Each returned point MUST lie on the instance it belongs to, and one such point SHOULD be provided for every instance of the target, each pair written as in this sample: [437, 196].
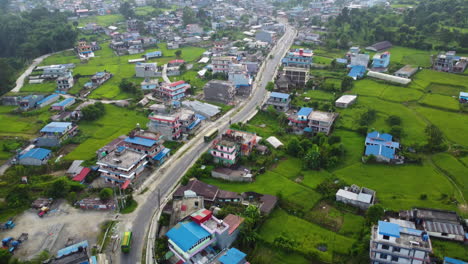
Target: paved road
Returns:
[167, 177]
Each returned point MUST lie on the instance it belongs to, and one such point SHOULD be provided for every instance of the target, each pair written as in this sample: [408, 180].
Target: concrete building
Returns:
[463, 97]
[147, 70]
[122, 165]
[298, 58]
[54, 133]
[381, 61]
[219, 91]
[406, 72]
[359, 60]
[30, 101]
[222, 64]
[54, 71]
[321, 122]
[266, 36]
[280, 101]
[231, 145]
[362, 198]
[149, 85]
[381, 146]
[147, 143]
[345, 101]
[64, 83]
[173, 91]
[35, 157]
[99, 78]
[450, 62]
[166, 125]
[297, 77]
[392, 243]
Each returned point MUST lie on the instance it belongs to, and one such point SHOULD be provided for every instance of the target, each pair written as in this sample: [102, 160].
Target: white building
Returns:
[359, 197]
[345, 101]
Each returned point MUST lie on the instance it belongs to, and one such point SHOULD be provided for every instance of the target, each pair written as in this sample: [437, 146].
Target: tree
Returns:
[5, 256]
[188, 16]
[126, 10]
[59, 189]
[178, 53]
[294, 148]
[347, 84]
[19, 196]
[374, 214]
[93, 112]
[435, 136]
[312, 158]
[270, 86]
[396, 131]
[127, 86]
[105, 194]
[394, 120]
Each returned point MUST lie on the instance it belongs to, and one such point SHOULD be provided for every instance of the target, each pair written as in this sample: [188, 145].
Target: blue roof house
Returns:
[357, 72]
[35, 157]
[381, 146]
[186, 239]
[233, 256]
[463, 98]
[280, 101]
[55, 132]
[48, 100]
[62, 105]
[299, 121]
[448, 260]
[381, 60]
[154, 54]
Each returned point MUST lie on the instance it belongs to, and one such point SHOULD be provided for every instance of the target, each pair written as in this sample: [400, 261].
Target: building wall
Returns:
[226, 177]
[225, 240]
[48, 141]
[32, 162]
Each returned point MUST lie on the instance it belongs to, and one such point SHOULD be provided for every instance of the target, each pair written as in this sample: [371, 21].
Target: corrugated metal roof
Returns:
[72, 248]
[161, 154]
[232, 256]
[279, 95]
[305, 111]
[444, 228]
[448, 260]
[56, 127]
[389, 229]
[65, 102]
[141, 141]
[36, 153]
[187, 234]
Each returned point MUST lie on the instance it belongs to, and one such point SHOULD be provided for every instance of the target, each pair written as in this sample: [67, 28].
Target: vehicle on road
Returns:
[43, 211]
[8, 225]
[211, 135]
[126, 242]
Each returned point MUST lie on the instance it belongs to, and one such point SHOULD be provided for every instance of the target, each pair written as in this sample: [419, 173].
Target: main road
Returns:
[162, 182]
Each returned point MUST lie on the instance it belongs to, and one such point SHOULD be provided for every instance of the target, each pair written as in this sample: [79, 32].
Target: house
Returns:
[279, 101]
[207, 191]
[35, 157]
[194, 240]
[65, 82]
[194, 29]
[149, 85]
[60, 106]
[345, 101]
[266, 36]
[297, 77]
[321, 122]
[189, 121]
[437, 223]
[166, 124]
[380, 61]
[147, 143]
[75, 168]
[380, 46]
[54, 133]
[406, 72]
[80, 177]
[74, 254]
[359, 60]
[448, 260]
[172, 91]
[298, 58]
[231, 145]
[152, 55]
[357, 72]
[132, 25]
[234, 256]
[265, 202]
[99, 78]
[463, 98]
[240, 78]
[239, 174]
[147, 70]
[30, 101]
[362, 198]
[282, 83]
[135, 47]
[10, 100]
[204, 109]
[122, 166]
[222, 64]
[381, 146]
[299, 121]
[274, 142]
[84, 50]
[392, 243]
[450, 62]
[54, 71]
[172, 45]
[48, 100]
[219, 91]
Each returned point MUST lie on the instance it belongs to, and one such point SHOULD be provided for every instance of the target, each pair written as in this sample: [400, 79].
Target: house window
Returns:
[444, 234]
[394, 259]
[386, 247]
[383, 256]
[396, 249]
[386, 237]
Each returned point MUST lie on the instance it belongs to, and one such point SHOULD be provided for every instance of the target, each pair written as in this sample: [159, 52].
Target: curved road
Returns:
[166, 178]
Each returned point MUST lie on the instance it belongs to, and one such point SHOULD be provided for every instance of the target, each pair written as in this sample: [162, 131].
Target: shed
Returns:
[35, 157]
[345, 101]
[274, 142]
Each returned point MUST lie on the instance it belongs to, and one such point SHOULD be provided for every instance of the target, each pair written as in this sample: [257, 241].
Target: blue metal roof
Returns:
[72, 248]
[56, 127]
[344, 61]
[279, 95]
[64, 102]
[357, 71]
[389, 229]
[380, 150]
[308, 129]
[50, 97]
[141, 141]
[36, 153]
[305, 111]
[187, 234]
[448, 260]
[154, 53]
[200, 117]
[161, 154]
[194, 124]
[232, 256]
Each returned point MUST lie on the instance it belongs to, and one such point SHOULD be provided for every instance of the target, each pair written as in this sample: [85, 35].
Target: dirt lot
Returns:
[62, 226]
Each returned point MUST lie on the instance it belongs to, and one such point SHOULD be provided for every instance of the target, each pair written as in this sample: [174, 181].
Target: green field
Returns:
[445, 89]
[46, 87]
[454, 169]
[440, 101]
[410, 56]
[116, 122]
[104, 21]
[20, 125]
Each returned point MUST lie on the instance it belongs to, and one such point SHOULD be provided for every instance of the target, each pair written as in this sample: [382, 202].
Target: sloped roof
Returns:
[56, 127]
[36, 153]
[141, 141]
[232, 256]
[187, 234]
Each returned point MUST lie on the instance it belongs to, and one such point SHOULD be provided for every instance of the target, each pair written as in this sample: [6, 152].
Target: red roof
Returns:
[233, 221]
[176, 83]
[176, 61]
[82, 175]
[125, 184]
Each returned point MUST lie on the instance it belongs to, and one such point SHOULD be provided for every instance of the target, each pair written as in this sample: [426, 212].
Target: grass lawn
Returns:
[116, 122]
[322, 60]
[444, 248]
[20, 125]
[384, 91]
[267, 254]
[318, 95]
[455, 170]
[192, 78]
[351, 224]
[445, 89]
[129, 208]
[453, 125]
[425, 77]
[46, 87]
[410, 56]
[440, 101]
[354, 146]
[308, 236]
[104, 21]
[8, 147]
[400, 187]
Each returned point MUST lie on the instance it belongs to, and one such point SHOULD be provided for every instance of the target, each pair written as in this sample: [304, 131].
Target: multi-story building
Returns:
[298, 58]
[463, 98]
[392, 243]
[147, 143]
[219, 91]
[194, 241]
[54, 71]
[222, 64]
[189, 120]
[99, 78]
[65, 82]
[55, 132]
[84, 50]
[362, 198]
[266, 36]
[381, 60]
[297, 77]
[167, 125]
[122, 165]
[149, 85]
[381, 146]
[299, 121]
[321, 122]
[232, 145]
[241, 79]
[147, 70]
[449, 62]
[280, 101]
[173, 91]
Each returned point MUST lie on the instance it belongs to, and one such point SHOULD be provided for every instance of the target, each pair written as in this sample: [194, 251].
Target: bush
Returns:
[423, 196]
[393, 120]
[106, 194]
[59, 189]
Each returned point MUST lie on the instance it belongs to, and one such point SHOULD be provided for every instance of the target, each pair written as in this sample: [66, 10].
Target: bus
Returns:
[126, 242]
[211, 135]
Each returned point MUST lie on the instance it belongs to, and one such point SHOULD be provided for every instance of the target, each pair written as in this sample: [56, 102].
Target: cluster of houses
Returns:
[130, 42]
[37, 101]
[61, 73]
[85, 50]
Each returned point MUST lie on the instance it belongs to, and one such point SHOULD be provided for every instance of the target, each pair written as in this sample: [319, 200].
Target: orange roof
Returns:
[125, 184]
[233, 221]
[82, 175]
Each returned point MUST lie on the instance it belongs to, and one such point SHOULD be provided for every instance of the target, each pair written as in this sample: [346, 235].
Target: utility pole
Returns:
[159, 198]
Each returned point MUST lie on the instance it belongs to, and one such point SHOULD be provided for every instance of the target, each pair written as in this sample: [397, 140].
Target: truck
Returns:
[16, 243]
[8, 225]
